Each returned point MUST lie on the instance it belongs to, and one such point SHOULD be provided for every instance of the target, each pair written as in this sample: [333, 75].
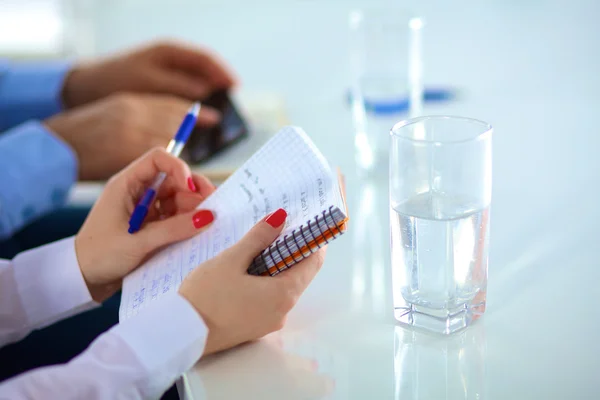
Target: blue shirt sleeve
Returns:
[37, 171]
[30, 90]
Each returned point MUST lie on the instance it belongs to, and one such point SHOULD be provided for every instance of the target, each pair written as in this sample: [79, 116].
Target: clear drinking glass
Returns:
[440, 195]
[385, 63]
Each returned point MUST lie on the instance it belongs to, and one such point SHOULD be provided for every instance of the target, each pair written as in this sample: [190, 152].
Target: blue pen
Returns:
[175, 146]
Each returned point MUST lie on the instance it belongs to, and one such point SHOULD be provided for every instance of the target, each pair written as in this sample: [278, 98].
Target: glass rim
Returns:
[382, 9]
[411, 121]
[357, 15]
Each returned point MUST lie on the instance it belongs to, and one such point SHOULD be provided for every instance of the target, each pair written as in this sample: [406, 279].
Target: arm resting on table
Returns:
[30, 90]
[37, 171]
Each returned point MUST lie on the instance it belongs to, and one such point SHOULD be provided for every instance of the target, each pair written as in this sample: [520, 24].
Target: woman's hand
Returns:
[238, 307]
[106, 252]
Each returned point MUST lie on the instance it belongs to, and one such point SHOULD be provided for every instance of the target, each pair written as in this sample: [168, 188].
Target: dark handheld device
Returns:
[204, 143]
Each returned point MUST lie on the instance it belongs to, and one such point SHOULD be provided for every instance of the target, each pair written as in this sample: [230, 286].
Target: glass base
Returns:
[445, 322]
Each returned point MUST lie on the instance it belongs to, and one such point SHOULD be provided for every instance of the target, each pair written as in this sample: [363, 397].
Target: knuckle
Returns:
[167, 160]
[124, 101]
[113, 181]
[179, 104]
[124, 109]
[158, 152]
[162, 46]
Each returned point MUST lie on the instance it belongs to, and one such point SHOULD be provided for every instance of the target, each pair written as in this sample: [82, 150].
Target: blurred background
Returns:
[529, 68]
[497, 54]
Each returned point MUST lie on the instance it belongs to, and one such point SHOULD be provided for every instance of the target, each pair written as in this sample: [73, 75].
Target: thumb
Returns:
[176, 228]
[258, 238]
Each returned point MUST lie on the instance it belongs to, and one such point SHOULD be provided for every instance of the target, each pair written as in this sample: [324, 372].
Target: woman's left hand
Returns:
[106, 252]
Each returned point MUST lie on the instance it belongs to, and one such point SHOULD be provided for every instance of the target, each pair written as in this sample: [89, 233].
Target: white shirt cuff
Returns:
[168, 337]
[50, 284]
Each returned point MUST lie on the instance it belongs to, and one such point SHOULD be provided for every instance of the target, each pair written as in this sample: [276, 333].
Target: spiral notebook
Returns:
[287, 172]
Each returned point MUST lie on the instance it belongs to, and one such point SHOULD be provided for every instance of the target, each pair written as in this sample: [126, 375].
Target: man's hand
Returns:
[163, 68]
[109, 134]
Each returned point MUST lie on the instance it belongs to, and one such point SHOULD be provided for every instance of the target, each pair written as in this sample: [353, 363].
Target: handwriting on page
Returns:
[263, 204]
[287, 172]
[322, 199]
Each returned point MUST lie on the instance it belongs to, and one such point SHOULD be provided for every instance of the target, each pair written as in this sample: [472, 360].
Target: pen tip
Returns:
[195, 109]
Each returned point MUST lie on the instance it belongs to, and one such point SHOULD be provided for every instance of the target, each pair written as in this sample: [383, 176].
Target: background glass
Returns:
[440, 194]
[385, 63]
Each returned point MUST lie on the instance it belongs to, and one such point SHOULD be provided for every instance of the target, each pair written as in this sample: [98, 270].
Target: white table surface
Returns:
[531, 69]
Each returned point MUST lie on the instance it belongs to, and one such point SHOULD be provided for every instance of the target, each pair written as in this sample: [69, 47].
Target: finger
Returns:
[200, 63]
[173, 201]
[173, 229]
[208, 116]
[181, 202]
[171, 187]
[168, 189]
[185, 202]
[299, 276]
[182, 84]
[174, 85]
[157, 160]
[166, 209]
[155, 211]
[197, 184]
[257, 239]
[203, 185]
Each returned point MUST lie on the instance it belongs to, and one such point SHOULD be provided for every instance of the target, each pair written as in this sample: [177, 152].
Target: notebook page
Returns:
[287, 172]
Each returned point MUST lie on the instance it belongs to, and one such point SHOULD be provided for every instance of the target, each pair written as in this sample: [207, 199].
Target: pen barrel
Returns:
[186, 128]
[160, 178]
[175, 148]
[148, 198]
[141, 210]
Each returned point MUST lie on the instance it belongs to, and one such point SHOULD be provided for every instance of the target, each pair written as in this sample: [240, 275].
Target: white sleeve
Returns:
[137, 359]
[39, 287]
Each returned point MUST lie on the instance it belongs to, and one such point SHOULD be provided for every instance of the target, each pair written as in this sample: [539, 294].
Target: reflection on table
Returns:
[434, 367]
[277, 366]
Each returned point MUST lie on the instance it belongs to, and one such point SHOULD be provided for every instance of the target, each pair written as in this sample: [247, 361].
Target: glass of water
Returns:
[440, 195]
[385, 66]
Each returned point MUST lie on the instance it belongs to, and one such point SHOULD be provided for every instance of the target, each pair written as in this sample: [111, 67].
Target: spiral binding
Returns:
[301, 243]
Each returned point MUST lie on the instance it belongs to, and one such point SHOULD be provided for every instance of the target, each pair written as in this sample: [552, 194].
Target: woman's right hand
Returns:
[238, 307]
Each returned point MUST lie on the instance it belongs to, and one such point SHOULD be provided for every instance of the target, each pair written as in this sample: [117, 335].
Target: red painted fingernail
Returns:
[203, 218]
[277, 218]
[191, 184]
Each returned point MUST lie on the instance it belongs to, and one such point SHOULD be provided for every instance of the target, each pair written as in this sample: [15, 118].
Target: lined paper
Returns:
[287, 172]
